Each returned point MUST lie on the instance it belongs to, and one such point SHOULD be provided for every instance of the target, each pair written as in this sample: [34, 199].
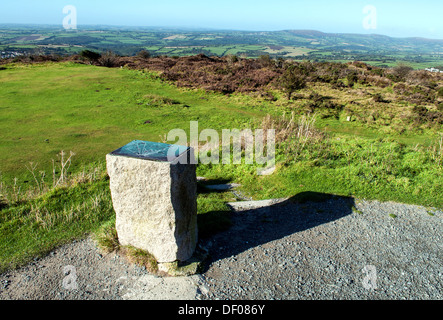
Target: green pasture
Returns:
[91, 111]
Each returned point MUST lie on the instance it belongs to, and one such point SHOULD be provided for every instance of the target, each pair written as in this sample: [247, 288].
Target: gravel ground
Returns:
[78, 271]
[313, 250]
[329, 251]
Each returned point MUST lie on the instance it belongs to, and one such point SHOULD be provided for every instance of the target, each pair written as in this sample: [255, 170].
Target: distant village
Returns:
[10, 54]
[433, 70]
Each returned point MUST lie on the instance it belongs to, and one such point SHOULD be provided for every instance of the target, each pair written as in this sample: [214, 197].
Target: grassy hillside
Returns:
[389, 150]
[91, 111]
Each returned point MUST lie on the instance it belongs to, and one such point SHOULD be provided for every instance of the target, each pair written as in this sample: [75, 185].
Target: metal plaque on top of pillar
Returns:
[154, 194]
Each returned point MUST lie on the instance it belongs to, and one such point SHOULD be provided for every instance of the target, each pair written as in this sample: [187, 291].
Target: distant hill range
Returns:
[296, 44]
[350, 41]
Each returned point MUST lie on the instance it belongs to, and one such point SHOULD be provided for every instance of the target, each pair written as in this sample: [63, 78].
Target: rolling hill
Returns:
[313, 45]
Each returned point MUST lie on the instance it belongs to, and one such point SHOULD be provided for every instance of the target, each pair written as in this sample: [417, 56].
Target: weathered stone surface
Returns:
[155, 204]
[249, 205]
[221, 187]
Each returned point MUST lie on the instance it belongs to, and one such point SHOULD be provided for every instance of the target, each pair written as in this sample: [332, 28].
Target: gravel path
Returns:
[313, 250]
[329, 251]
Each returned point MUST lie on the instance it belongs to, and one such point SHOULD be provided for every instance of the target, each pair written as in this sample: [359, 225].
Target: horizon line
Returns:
[214, 29]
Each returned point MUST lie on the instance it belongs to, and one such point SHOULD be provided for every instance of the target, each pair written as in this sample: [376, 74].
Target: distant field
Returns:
[310, 45]
[288, 51]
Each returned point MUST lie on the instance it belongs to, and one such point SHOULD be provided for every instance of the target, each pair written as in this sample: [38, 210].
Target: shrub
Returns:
[420, 110]
[109, 60]
[90, 55]
[377, 72]
[231, 59]
[352, 78]
[422, 115]
[401, 89]
[144, 54]
[379, 98]
[266, 61]
[292, 80]
[434, 117]
[421, 95]
[361, 65]
[268, 96]
[421, 77]
[218, 74]
[401, 71]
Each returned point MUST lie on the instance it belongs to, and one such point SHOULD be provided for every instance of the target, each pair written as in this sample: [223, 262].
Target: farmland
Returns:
[300, 45]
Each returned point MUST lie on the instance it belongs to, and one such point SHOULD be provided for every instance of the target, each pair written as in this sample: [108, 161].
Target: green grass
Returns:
[35, 227]
[92, 111]
[373, 169]
[213, 213]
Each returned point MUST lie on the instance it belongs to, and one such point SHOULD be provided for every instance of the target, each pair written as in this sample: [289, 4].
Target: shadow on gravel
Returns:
[255, 227]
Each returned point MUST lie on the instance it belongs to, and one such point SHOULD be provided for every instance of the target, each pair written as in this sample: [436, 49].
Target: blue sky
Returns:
[393, 17]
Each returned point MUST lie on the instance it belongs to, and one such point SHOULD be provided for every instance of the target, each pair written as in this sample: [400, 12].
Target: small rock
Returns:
[203, 289]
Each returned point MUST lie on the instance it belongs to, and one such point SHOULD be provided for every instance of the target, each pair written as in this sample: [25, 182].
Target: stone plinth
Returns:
[155, 199]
